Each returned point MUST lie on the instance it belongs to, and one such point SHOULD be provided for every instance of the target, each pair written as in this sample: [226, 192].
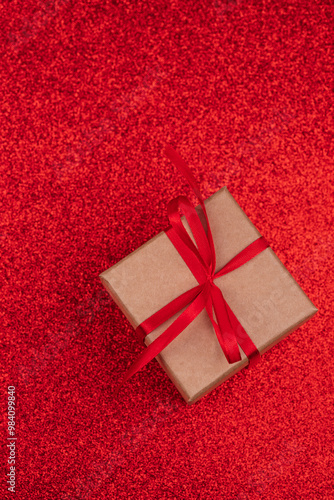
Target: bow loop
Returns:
[187, 249]
[225, 333]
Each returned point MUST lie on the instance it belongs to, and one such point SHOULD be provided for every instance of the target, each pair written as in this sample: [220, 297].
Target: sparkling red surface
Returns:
[90, 94]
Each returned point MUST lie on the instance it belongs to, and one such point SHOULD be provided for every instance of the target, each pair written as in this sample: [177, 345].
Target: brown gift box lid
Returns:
[262, 294]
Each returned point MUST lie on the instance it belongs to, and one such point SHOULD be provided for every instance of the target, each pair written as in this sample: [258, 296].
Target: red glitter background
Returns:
[90, 94]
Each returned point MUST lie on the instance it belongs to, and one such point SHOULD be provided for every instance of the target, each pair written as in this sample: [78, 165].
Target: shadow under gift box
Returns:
[262, 294]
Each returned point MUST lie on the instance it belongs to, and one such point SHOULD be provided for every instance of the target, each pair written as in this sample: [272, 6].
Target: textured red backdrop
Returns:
[90, 94]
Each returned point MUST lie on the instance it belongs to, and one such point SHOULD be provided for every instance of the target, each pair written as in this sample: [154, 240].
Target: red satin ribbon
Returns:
[201, 260]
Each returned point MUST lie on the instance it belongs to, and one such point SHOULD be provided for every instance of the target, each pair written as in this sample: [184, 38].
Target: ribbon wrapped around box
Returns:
[206, 286]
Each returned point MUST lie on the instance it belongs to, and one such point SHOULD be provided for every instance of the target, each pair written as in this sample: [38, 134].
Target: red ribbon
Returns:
[201, 260]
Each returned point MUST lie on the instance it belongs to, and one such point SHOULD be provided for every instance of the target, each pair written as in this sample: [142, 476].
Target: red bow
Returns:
[201, 260]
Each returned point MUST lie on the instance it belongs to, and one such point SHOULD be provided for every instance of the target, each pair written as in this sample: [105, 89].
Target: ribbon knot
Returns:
[200, 257]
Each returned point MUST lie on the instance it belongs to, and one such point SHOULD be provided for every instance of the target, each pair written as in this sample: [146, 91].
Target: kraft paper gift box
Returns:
[262, 294]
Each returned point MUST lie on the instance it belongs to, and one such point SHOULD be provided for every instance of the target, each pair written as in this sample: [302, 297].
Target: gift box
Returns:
[262, 294]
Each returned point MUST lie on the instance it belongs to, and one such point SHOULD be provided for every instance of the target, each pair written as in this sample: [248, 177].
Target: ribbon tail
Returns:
[184, 169]
[244, 340]
[225, 333]
[181, 322]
